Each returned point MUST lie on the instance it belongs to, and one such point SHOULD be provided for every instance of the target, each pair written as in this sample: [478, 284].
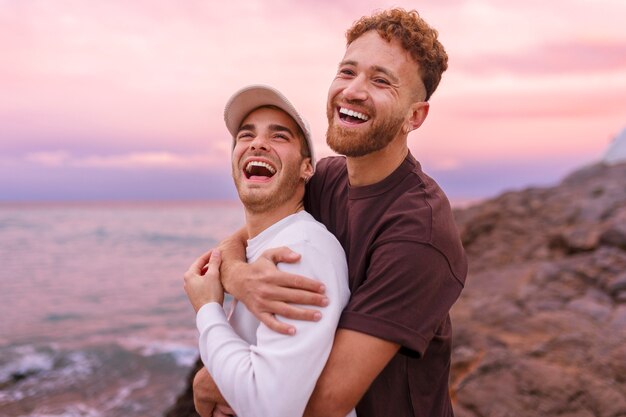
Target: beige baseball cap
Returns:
[249, 98]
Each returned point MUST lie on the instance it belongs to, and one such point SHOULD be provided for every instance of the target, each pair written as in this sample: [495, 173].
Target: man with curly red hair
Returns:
[407, 267]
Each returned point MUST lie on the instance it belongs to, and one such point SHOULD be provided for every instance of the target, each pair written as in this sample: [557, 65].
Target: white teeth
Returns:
[353, 113]
[259, 164]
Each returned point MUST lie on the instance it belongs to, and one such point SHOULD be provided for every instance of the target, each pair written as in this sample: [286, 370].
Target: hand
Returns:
[202, 400]
[223, 411]
[202, 282]
[267, 291]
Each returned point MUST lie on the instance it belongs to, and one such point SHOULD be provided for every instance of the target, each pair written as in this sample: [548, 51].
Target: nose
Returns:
[260, 142]
[356, 89]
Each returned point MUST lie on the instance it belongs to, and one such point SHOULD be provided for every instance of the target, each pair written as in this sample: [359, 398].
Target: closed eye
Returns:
[382, 81]
[245, 135]
[346, 71]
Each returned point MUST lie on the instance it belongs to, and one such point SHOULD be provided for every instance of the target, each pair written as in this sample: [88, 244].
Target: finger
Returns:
[214, 262]
[296, 313]
[225, 410]
[282, 254]
[285, 279]
[199, 263]
[270, 321]
[296, 296]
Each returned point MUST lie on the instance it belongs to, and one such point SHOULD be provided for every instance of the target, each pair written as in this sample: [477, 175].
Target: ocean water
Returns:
[93, 317]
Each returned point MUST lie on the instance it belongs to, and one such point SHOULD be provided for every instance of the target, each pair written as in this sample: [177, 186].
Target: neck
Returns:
[258, 221]
[376, 166]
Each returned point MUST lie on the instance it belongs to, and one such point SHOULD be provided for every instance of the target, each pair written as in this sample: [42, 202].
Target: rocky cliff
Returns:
[540, 329]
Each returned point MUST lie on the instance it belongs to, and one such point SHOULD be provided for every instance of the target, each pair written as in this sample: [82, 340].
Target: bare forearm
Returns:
[355, 361]
[233, 251]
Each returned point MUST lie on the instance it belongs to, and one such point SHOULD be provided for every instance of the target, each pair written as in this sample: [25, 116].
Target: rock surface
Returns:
[540, 329]
[183, 407]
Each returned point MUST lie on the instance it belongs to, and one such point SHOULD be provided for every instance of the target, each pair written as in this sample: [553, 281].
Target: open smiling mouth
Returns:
[258, 170]
[351, 116]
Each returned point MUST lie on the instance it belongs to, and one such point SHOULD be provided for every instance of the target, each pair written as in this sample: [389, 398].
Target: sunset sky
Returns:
[110, 100]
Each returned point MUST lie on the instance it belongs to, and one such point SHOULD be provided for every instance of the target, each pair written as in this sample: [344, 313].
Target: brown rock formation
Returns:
[540, 329]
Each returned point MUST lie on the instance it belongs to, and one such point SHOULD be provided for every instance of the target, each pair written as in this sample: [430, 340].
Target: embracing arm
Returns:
[277, 375]
[264, 289]
[354, 362]
[202, 290]
[202, 285]
[427, 290]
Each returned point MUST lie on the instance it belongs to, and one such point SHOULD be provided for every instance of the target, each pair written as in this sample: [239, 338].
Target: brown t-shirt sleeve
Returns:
[407, 294]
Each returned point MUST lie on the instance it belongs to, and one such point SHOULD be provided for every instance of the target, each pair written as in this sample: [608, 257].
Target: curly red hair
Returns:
[415, 36]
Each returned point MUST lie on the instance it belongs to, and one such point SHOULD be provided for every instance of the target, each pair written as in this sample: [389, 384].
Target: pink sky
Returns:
[124, 99]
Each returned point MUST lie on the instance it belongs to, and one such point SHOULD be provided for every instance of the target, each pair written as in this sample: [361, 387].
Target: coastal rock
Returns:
[183, 407]
[540, 328]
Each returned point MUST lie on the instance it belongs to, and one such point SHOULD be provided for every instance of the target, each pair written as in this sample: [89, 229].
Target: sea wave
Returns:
[74, 410]
[28, 370]
[183, 355]
[103, 273]
[100, 380]
[22, 361]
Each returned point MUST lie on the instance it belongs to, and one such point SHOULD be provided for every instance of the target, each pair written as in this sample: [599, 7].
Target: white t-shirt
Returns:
[262, 373]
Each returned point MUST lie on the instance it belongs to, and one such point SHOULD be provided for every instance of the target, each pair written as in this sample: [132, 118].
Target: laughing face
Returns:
[267, 163]
[371, 100]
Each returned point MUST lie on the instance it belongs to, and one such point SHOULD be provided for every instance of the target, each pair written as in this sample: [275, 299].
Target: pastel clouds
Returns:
[155, 71]
[118, 85]
[135, 160]
[558, 58]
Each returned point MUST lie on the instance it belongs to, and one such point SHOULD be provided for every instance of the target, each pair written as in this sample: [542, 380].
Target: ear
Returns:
[306, 169]
[417, 114]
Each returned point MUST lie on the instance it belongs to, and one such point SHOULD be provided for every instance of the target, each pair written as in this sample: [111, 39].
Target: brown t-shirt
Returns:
[406, 267]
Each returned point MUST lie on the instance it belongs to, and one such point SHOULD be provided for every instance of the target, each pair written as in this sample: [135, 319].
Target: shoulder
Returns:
[415, 204]
[321, 254]
[328, 168]
[331, 163]
[329, 182]
[422, 214]
[307, 232]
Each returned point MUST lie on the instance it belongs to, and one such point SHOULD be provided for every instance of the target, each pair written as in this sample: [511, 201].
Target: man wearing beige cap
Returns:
[257, 371]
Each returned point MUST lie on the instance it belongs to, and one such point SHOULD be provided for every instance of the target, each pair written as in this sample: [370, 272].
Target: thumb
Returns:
[214, 262]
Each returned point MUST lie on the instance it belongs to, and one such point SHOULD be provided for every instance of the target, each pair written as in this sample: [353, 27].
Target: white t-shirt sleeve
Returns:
[276, 376]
